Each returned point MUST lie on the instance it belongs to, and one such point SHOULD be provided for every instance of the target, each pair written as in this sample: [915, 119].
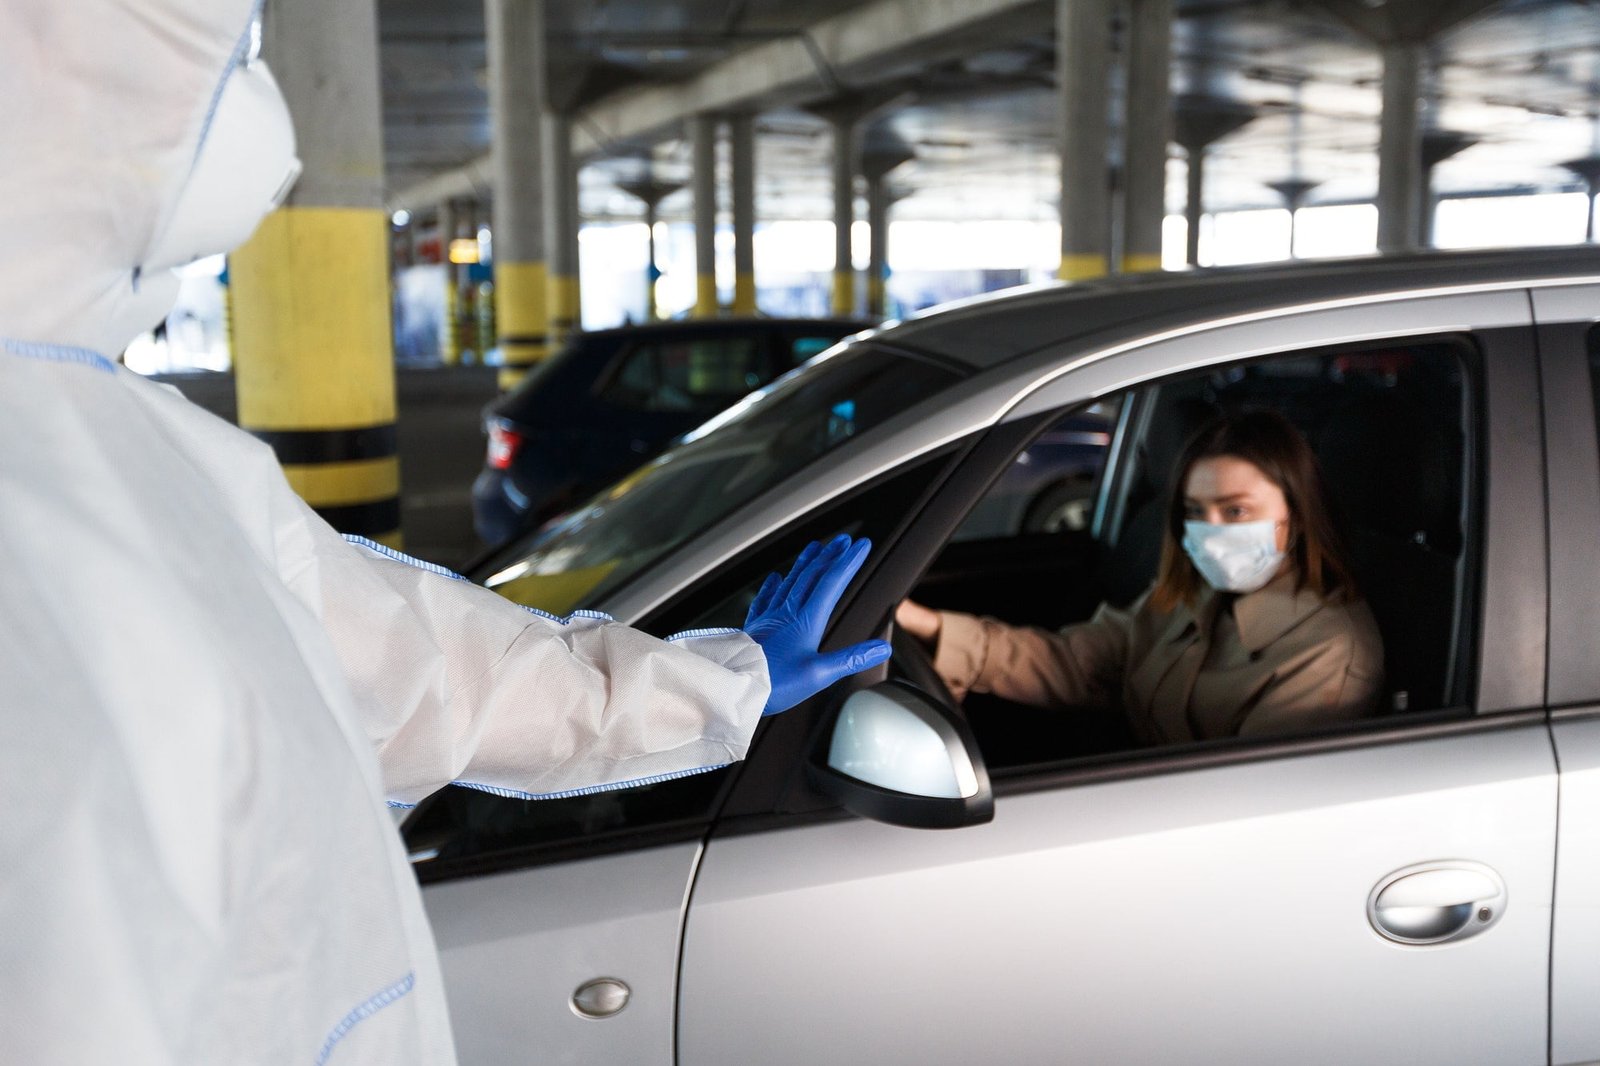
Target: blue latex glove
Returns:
[789, 614]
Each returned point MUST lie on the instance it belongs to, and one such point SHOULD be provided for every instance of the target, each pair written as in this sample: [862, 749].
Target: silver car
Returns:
[889, 878]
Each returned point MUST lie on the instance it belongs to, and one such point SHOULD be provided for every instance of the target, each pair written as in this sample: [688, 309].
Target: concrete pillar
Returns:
[1083, 56]
[1437, 146]
[449, 334]
[742, 137]
[1294, 192]
[1402, 28]
[846, 113]
[517, 102]
[1149, 129]
[467, 216]
[703, 181]
[879, 158]
[1199, 121]
[562, 222]
[314, 358]
[844, 215]
[1194, 204]
[1400, 149]
[880, 197]
[1588, 169]
[650, 192]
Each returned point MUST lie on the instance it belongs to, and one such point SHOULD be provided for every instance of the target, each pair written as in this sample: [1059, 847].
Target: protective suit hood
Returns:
[134, 139]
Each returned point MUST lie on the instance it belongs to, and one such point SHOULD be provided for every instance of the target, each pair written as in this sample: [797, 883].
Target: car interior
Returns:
[1392, 427]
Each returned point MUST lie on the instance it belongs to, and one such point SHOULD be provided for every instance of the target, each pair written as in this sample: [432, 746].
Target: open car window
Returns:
[1393, 427]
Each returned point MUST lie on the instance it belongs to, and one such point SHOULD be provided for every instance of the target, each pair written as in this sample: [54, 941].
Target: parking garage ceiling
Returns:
[1511, 94]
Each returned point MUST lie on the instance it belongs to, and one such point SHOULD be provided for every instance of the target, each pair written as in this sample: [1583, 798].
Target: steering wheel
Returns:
[913, 660]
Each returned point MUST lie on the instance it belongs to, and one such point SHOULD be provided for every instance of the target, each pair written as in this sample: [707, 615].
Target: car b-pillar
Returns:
[314, 356]
[518, 100]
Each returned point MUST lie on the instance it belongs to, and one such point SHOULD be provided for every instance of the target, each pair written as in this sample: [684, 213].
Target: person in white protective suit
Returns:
[207, 696]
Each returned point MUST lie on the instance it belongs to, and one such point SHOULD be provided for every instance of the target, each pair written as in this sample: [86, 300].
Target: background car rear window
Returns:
[705, 374]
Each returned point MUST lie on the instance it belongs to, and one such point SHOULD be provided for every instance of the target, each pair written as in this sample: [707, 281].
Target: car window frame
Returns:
[1511, 550]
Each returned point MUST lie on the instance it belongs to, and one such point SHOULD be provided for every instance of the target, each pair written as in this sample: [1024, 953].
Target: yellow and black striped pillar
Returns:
[314, 358]
[522, 315]
[566, 310]
[314, 361]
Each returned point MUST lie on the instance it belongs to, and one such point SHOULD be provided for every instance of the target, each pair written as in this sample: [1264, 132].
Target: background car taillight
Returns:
[504, 443]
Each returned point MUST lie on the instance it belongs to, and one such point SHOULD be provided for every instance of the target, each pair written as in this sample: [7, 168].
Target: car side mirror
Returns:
[895, 755]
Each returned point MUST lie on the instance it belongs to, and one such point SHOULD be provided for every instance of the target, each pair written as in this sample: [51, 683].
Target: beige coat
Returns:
[1278, 661]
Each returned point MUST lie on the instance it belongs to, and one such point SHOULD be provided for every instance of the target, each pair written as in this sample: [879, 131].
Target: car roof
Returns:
[990, 330]
[717, 326]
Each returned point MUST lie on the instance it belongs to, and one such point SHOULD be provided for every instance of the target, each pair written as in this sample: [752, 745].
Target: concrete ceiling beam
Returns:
[876, 42]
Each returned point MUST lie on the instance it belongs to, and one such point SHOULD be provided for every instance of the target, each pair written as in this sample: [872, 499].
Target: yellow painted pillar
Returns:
[562, 223]
[1083, 51]
[844, 213]
[1082, 267]
[314, 355]
[703, 182]
[742, 145]
[1147, 132]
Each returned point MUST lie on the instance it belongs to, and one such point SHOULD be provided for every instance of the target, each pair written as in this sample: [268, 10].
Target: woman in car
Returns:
[1252, 627]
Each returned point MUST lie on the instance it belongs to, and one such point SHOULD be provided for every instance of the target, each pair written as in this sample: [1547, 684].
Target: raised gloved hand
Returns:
[789, 614]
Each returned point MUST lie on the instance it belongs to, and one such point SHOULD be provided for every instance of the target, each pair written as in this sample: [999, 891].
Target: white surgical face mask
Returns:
[1240, 557]
[243, 170]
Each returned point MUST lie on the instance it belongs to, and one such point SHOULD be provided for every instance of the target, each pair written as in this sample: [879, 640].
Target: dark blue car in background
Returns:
[612, 399]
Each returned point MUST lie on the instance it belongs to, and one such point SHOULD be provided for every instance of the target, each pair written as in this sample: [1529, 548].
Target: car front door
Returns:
[1196, 905]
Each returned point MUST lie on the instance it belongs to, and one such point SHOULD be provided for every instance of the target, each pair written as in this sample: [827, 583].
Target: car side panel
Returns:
[1214, 916]
[515, 947]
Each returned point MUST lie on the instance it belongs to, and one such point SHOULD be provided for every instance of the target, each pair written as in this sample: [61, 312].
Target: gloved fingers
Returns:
[798, 596]
[832, 582]
[836, 665]
[764, 598]
[807, 554]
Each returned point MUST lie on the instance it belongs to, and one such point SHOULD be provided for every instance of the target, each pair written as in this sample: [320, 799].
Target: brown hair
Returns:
[1271, 444]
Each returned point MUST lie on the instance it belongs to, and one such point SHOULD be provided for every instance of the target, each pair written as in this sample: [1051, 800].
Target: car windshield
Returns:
[712, 471]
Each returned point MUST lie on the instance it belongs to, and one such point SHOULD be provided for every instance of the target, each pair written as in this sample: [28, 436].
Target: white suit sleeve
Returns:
[456, 684]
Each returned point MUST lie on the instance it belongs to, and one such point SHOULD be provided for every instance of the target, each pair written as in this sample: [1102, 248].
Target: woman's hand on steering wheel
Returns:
[918, 621]
[912, 641]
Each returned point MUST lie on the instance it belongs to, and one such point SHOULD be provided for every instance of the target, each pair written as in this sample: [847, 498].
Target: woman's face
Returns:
[1224, 489]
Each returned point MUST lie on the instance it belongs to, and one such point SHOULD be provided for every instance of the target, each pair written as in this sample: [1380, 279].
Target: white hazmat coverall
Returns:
[207, 696]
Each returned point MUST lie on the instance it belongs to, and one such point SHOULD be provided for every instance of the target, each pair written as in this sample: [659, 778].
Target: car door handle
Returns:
[1436, 902]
